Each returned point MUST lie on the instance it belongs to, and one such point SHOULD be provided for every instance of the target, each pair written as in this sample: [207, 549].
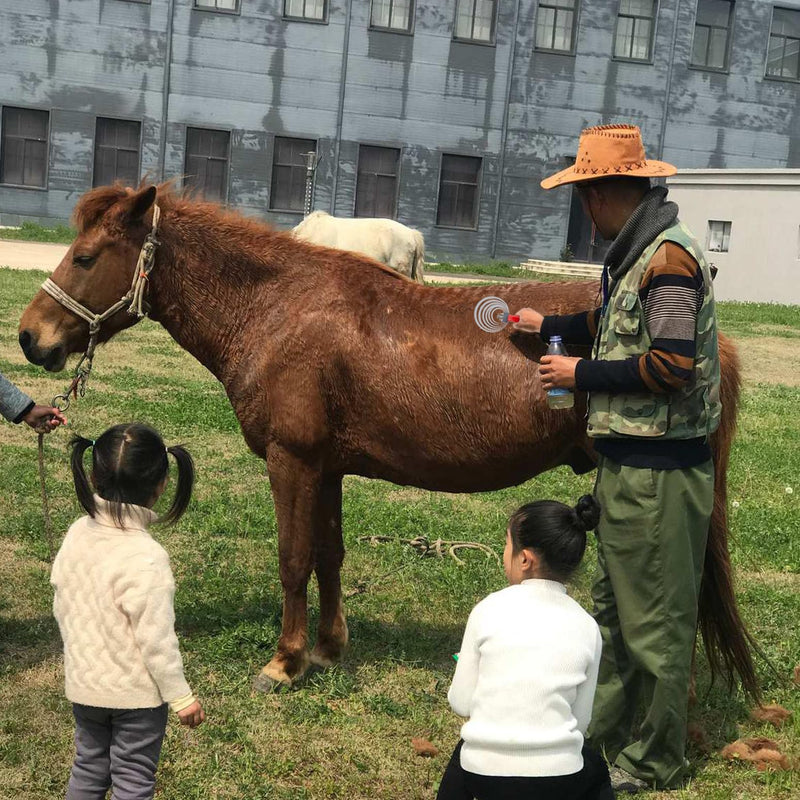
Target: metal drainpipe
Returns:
[669, 80]
[340, 116]
[165, 90]
[504, 132]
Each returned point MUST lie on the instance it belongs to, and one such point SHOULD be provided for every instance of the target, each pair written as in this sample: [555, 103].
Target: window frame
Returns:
[412, 18]
[722, 222]
[767, 76]
[326, 7]
[577, 8]
[652, 48]
[728, 44]
[230, 12]
[492, 40]
[119, 119]
[400, 152]
[49, 112]
[478, 192]
[229, 131]
[275, 137]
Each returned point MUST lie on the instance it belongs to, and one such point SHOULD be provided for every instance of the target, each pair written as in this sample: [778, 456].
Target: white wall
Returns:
[763, 260]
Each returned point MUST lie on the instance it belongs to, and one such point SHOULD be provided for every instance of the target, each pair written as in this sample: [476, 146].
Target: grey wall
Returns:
[259, 76]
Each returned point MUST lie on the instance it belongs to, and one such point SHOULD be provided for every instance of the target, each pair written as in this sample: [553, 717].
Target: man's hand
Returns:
[44, 419]
[530, 321]
[558, 372]
[192, 715]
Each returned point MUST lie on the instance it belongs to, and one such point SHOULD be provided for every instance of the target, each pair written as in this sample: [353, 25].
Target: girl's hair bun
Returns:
[587, 512]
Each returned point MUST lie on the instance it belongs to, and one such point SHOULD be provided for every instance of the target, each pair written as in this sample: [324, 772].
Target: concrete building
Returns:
[748, 221]
[443, 114]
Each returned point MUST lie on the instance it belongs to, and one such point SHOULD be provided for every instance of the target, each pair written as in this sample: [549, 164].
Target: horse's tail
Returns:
[728, 644]
[418, 262]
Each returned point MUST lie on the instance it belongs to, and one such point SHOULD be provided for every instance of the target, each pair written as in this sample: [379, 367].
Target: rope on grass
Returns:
[48, 523]
[423, 546]
[437, 547]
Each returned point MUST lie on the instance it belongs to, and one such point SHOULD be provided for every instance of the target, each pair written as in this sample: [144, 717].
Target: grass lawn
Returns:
[346, 733]
[493, 269]
[33, 232]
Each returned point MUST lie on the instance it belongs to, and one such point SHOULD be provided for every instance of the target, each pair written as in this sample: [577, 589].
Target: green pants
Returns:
[651, 546]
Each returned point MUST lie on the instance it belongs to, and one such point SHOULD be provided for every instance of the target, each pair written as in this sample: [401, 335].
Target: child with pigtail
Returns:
[527, 671]
[114, 605]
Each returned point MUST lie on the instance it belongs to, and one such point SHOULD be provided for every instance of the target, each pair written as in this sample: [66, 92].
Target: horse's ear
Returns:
[138, 204]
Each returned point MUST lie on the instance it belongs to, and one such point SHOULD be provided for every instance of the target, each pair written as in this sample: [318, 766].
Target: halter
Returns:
[134, 300]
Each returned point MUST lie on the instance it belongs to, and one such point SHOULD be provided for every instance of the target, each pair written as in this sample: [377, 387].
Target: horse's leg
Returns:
[296, 491]
[329, 555]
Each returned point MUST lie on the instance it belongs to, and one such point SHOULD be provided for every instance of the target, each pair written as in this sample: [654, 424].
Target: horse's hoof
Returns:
[269, 681]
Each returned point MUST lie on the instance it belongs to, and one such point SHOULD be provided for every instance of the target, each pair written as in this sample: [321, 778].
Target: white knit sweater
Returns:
[113, 602]
[526, 677]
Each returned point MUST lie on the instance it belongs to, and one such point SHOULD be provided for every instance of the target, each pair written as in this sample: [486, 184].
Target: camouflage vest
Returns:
[690, 412]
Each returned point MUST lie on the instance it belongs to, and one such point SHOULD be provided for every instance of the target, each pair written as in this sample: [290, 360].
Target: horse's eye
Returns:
[82, 261]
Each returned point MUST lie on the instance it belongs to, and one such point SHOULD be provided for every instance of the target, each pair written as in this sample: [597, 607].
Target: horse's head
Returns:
[96, 272]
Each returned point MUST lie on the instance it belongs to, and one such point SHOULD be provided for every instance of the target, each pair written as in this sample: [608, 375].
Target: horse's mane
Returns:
[248, 234]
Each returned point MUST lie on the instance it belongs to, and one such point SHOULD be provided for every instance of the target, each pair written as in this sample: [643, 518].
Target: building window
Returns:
[458, 192]
[116, 151]
[712, 33]
[23, 161]
[289, 173]
[719, 236]
[207, 162]
[555, 25]
[783, 58]
[305, 9]
[475, 20]
[218, 5]
[394, 15]
[635, 23]
[376, 187]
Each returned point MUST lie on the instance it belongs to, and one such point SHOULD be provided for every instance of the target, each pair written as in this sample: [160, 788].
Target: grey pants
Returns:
[119, 747]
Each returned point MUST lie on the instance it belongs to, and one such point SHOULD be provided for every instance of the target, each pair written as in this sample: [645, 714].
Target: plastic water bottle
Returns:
[559, 398]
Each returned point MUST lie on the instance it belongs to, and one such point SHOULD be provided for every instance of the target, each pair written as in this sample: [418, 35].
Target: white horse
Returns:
[387, 241]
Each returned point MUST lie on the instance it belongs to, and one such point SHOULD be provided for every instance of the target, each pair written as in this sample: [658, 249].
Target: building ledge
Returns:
[736, 177]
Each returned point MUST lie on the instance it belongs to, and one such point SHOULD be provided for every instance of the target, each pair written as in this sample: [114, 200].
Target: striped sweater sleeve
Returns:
[578, 328]
[671, 293]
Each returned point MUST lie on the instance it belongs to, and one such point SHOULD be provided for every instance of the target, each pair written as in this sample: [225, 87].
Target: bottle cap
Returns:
[555, 338]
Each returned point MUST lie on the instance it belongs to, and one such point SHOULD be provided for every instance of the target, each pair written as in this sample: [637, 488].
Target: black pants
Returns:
[591, 783]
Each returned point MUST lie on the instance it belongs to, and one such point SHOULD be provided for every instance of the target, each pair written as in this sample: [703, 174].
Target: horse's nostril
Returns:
[25, 340]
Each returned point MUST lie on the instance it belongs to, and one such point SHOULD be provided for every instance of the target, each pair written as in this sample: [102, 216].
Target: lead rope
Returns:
[424, 547]
[48, 523]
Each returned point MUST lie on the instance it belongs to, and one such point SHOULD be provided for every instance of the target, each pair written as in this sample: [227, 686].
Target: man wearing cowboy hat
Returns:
[653, 384]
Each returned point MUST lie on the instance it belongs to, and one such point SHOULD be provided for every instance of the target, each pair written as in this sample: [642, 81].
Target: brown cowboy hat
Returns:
[609, 151]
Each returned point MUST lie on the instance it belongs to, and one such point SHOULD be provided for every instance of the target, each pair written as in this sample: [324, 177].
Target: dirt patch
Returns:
[788, 581]
[770, 359]
[409, 495]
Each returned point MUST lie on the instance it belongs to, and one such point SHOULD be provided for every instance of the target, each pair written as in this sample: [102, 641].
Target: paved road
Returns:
[31, 255]
[37, 255]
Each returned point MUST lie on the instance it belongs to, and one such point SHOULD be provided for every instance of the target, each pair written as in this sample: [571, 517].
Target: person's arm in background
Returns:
[584, 697]
[146, 597]
[466, 676]
[17, 407]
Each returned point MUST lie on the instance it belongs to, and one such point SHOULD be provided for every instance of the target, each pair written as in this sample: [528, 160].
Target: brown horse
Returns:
[336, 365]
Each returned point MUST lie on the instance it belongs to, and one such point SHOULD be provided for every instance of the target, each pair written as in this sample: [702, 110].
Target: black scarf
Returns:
[652, 216]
